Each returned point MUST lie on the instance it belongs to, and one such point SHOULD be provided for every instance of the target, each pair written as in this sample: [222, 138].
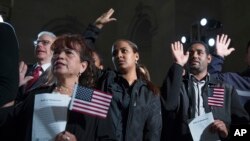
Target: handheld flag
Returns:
[90, 102]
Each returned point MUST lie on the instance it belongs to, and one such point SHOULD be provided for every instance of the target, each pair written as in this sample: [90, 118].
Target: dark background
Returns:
[152, 24]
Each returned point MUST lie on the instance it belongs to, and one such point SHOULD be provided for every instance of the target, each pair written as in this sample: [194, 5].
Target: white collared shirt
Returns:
[198, 89]
[199, 107]
[44, 68]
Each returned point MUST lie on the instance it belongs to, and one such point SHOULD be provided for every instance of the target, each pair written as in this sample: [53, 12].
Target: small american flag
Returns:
[217, 99]
[90, 102]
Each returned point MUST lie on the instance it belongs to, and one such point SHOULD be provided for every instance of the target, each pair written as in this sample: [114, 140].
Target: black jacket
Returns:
[9, 55]
[135, 110]
[9, 72]
[84, 127]
[178, 98]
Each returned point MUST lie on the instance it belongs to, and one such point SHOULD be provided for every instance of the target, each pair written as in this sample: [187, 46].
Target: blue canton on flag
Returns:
[90, 102]
[84, 94]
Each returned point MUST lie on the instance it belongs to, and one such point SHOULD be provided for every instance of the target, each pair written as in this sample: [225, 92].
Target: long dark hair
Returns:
[140, 74]
[77, 43]
[144, 76]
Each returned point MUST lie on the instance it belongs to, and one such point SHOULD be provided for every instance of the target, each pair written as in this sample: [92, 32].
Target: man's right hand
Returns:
[178, 53]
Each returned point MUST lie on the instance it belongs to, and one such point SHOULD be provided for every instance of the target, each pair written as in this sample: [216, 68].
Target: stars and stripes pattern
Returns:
[217, 99]
[90, 102]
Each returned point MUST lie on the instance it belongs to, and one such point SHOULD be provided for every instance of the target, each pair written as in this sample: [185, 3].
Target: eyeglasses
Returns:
[44, 42]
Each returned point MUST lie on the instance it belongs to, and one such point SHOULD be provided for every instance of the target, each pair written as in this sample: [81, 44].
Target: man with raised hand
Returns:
[185, 98]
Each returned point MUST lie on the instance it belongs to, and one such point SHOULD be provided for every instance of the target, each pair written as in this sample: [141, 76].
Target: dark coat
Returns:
[142, 118]
[9, 55]
[177, 98]
[84, 127]
[9, 73]
[43, 79]
[241, 81]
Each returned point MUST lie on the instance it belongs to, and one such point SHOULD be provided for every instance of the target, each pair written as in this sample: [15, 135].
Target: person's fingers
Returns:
[112, 19]
[59, 137]
[25, 67]
[224, 39]
[66, 138]
[231, 50]
[172, 47]
[216, 124]
[221, 38]
[21, 64]
[27, 79]
[219, 125]
[178, 46]
[110, 12]
[181, 47]
[187, 54]
[66, 133]
[175, 46]
[23, 70]
[228, 42]
[217, 39]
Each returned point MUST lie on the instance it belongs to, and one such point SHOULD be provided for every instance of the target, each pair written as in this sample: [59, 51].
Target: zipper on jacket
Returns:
[131, 109]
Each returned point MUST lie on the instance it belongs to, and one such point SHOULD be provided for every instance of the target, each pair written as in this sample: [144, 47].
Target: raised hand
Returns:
[178, 53]
[22, 71]
[105, 18]
[222, 44]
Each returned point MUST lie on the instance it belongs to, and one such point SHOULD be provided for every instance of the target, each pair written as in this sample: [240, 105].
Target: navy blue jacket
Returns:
[241, 81]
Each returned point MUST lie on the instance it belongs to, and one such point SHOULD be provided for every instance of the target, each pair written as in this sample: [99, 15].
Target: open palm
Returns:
[22, 71]
[178, 53]
[222, 44]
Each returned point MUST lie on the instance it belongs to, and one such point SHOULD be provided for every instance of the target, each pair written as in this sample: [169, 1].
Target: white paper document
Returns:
[50, 116]
[199, 128]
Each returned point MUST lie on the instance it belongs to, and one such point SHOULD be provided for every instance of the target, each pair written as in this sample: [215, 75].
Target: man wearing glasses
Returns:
[35, 75]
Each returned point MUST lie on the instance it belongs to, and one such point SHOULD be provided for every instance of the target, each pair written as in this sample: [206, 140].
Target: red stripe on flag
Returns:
[90, 108]
[89, 112]
[90, 102]
[218, 97]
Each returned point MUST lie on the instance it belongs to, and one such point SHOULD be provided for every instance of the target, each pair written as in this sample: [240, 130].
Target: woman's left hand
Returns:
[65, 136]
